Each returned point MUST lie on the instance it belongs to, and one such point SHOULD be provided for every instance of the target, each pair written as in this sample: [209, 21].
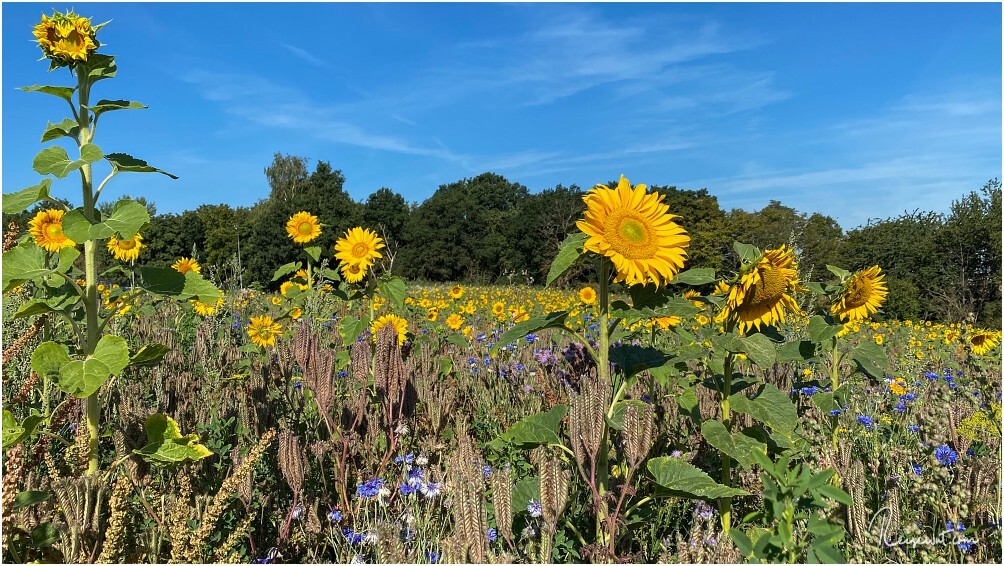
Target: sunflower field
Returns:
[654, 413]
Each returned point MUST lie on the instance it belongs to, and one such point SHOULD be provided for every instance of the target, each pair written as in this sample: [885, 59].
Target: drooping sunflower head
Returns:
[359, 246]
[982, 341]
[47, 230]
[186, 264]
[863, 293]
[400, 326]
[125, 250]
[66, 38]
[285, 287]
[587, 295]
[760, 296]
[352, 272]
[635, 230]
[263, 330]
[303, 227]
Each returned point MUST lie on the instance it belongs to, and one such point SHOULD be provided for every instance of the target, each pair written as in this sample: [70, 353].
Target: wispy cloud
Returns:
[304, 54]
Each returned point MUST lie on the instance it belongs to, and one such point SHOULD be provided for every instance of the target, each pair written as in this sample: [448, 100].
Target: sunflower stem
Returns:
[725, 503]
[603, 374]
[834, 384]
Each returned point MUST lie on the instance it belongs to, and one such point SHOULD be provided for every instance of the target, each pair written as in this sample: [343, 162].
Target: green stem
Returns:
[725, 504]
[834, 384]
[603, 375]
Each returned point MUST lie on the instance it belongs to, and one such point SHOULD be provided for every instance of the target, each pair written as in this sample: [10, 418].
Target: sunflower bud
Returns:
[66, 39]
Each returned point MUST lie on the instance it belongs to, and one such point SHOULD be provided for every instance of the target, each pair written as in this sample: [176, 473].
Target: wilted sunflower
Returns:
[760, 296]
[125, 250]
[982, 341]
[185, 264]
[635, 230]
[303, 227]
[399, 325]
[863, 294]
[359, 246]
[66, 38]
[587, 295]
[353, 273]
[47, 230]
[262, 330]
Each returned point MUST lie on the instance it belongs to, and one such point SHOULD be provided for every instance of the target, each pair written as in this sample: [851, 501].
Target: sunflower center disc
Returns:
[54, 231]
[127, 244]
[857, 295]
[305, 228]
[629, 235]
[360, 250]
[769, 289]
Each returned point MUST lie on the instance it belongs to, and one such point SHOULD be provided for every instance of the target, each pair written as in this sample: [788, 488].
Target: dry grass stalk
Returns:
[16, 346]
[638, 438]
[502, 483]
[240, 533]
[291, 460]
[467, 488]
[13, 468]
[81, 500]
[115, 534]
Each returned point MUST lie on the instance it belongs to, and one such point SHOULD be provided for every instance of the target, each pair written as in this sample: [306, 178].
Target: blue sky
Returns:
[854, 110]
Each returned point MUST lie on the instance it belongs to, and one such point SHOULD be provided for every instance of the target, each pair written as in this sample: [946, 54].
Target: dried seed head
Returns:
[291, 460]
[638, 424]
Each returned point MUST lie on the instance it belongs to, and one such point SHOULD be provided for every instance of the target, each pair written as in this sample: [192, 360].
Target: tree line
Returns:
[488, 229]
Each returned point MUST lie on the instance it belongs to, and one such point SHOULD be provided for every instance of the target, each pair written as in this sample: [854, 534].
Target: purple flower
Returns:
[407, 489]
[534, 508]
[433, 557]
[913, 428]
[369, 488]
[431, 489]
[835, 412]
[486, 471]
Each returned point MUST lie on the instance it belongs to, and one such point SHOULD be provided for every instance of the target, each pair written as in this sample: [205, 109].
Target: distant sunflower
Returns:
[400, 325]
[587, 295]
[635, 230]
[47, 230]
[206, 309]
[285, 287]
[262, 330]
[666, 322]
[125, 250]
[692, 296]
[721, 288]
[760, 297]
[454, 321]
[184, 265]
[296, 313]
[303, 227]
[359, 246]
[301, 275]
[498, 309]
[982, 341]
[863, 294]
[352, 273]
[456, 292]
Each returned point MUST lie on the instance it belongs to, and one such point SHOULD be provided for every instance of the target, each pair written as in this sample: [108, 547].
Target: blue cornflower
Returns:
[433, 557]
[965, 545]
[431, 489]
[519, 368]
[352, 536]
[480, 337]
[835, 412]
[909, 397]
[531, 337]
[970, 452]
[866, 421]
[646, 398]
[913, 428]
[472, 361]
[534, 508]
[334, 515]
[369, 488]
[810, 391]
[931, 375]
[900, 408]
[946, 455]
[486, 471]
[917, 469]
[407, 489]
[953, 385]
[487, 362]
[493, 535]
[343, 374]
[416, 476]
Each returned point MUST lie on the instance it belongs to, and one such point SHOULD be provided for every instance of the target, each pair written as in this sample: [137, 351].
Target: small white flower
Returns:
[402, 429]
[422, 460]
[358, 559]
[371, 538]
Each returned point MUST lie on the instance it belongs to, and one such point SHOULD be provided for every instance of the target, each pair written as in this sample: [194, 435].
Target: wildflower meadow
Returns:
[630, 405]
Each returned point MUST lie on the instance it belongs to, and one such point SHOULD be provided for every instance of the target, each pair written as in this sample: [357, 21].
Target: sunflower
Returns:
[666, 322]
[125, 250]
[634, 230]
[760, 296]
[863, 294]
[692, 296]
[303, 227]
[301, 275]
[262, 330]
[898, 386]
[184, 265]
[433, 314]
[456, 292]
[205, 309]
[454, 321]
[498, 309]
[587, 295]
[66, 38]
[285, 287]
[982, 341]
[47, 229]
[359, 246]
[296, 313]
[721, 288]
[352, 272]
[399, 325]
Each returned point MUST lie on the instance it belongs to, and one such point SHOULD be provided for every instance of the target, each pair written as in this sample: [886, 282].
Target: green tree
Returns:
[704, 221]
[387, 212]
[545, 219]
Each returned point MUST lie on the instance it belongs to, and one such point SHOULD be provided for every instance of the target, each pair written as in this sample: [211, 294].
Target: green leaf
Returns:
[746, 252]
[616, 419]
[15, 432]
[525, 491]
[58, 303]
[55, 161]
[127, 218]
[841, 274]
[825, 402]
[81, 378]
[541, 428]
[64, 92]
[395, 291]
[820, 330]
[696, 276]
[351, 327]
[816, 287]
[29, 498]
[109, 105]
[770, 406]
[633, 359]
[44, 535]
[99, 66]
[285, 270]
[314, 252]
[743, 542]
[535, 324]
[871, 359]
[76, 226]
[128, 164]
[686, 480]
[24, 262]
[739, 446]
[166, 445]
[149, 355]
[570, 252]
[67, 128]
[168, 281]
[759, 349]
[457, 339]
[14, 203]
[796, 351]
[835, 493]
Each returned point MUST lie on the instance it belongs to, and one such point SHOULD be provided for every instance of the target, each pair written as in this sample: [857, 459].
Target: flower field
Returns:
[641, 411]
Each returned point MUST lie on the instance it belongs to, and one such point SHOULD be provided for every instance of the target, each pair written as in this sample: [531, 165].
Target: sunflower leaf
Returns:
[696, 276]
[14, 432]
[166, 445]
[394, 289]
[128, 218]
[871, 359]
[633, 359]
[108, 105]
[169, 282]
[535, 324]
[67, 128]
[23, 262]
[540, 428]
[64, 92]
[14, 203]
[55, 161]
[820, 331]
[570, 252]
[128, 164]
[769, 406]
[149, 355]
[286, 270]
[746, 252]
[841, 273]
[684, 479]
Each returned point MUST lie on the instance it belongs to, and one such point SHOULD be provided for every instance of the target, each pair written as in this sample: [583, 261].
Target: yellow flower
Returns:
[276, 301]
[898, 386]
[66, 38]
[721, 288]
[432, 315]
[634, 230]
[400, 325]
[760, 296]
[262, 330]
[47, 230]
[205, 309]
[301, 275]
[125, 250]
[702, 320]
[691, 294]
[587, 295]
[666, 322]
[353, 273]
[454, 321]
[879, 339]
[184, 265]
[863, 294]
[498, 309]
[303, 227]
[982, 341]
[296, 313]
[456, 292]
[806, 372]
[359, 247]
[285, 287]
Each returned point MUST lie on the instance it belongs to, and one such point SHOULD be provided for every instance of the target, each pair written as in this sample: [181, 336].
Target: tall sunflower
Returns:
[66, 38]
[862, 295]
[359, 246]
[125, 250]
[303, 227]
[400, 325]
[185, 264]
[635, 230]
[47, 230]
[982, 341]
[760, 297]
[262, 330]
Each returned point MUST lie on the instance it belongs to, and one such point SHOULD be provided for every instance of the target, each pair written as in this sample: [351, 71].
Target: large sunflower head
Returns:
[47, 230]
[125, 250]
[359, 246]
[635, 230]
[400, 326]
[863, 293]
[982, 341]
[185, 264]
[303, 227]
[262, 330]
[352, 272]
[66, 38]
[760, 296]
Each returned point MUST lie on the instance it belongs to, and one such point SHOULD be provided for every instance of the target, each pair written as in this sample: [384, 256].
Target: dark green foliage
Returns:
[704, 220]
